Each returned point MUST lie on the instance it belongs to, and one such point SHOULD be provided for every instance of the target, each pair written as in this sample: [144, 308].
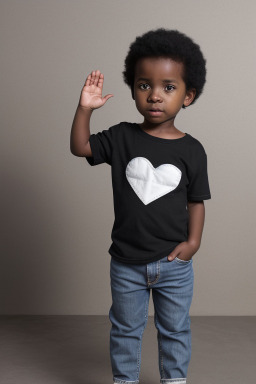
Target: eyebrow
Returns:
[164, 81]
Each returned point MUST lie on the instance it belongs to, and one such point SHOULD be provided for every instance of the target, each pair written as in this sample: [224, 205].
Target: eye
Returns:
[169, 87]
[144, 86]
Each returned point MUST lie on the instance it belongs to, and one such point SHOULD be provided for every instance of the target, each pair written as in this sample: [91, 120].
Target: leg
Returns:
[172, 297]
[128, 315]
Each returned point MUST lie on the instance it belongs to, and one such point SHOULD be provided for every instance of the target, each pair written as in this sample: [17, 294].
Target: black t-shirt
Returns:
[152, 179]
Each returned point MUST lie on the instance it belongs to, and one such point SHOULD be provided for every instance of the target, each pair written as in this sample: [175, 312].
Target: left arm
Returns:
[187, 249]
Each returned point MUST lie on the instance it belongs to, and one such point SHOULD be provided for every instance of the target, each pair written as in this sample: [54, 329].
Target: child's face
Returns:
[159, 90]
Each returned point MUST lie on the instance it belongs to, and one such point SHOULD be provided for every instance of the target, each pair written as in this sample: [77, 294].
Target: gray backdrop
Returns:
[56, 210]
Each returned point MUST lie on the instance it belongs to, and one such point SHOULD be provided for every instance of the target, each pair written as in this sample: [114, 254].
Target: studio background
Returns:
[56, 210]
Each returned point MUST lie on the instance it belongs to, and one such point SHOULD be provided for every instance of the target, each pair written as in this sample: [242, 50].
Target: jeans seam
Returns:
[178, 380]
[157, 274]
[139, 343]
[160, 349]
[182, 261]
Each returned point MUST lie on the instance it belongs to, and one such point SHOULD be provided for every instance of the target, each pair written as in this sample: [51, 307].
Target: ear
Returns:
[190, 95]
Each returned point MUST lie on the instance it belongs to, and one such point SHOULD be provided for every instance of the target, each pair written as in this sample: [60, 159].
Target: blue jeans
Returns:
[172, 290]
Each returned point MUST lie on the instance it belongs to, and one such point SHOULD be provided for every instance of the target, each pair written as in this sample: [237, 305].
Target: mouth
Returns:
[155, 112]
[155, 109]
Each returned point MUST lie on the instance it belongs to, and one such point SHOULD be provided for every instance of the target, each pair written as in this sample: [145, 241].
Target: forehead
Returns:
[158, 68]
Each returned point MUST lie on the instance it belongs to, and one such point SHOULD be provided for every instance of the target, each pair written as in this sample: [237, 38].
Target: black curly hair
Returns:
[174, 45]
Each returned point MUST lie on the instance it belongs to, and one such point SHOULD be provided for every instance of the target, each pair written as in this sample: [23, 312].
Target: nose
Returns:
[154, 96]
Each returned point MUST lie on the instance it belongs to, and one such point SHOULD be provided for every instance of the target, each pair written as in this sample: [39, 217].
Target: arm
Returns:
[196, 222]
[90, 99]
[187, 249]
[80, 132]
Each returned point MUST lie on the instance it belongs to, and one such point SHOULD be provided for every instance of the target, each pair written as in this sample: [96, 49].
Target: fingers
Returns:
[88, 81]
[95, 78]
[171, 257]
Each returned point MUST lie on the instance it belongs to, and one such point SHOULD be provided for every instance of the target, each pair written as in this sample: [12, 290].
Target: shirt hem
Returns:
[198, 198]
[127, 260]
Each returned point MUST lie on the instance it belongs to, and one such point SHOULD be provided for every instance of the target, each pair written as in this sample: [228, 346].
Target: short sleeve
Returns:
[198, 188]
[102, 146]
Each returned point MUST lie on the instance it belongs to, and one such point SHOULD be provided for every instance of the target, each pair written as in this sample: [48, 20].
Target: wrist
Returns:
[194, 243]
[85, 109]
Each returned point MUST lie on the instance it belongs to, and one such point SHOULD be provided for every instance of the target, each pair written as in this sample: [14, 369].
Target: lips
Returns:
[155, 112]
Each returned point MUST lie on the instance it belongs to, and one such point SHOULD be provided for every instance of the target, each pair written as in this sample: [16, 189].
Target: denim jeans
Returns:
[172, 290]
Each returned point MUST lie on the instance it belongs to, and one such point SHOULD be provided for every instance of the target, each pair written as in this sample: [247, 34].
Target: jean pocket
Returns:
[180, 261]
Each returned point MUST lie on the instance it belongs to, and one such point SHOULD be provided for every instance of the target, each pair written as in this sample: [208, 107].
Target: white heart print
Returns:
[151, 183]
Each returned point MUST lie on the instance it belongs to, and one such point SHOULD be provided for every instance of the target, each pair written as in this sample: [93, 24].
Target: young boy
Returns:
[160, 182]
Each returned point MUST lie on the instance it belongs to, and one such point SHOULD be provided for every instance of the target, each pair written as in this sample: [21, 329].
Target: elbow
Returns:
[72, 150]
[81, 150]
[75, 152]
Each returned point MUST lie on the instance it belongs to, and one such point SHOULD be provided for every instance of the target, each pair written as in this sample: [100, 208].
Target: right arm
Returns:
[90, 99]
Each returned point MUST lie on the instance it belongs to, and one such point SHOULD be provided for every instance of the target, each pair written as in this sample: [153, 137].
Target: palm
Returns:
[91, 95]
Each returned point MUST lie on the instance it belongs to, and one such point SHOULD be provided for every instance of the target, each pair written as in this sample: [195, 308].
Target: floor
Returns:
[75, 350]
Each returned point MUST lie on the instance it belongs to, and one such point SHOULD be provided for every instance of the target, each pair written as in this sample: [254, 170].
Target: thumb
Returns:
[105, 98]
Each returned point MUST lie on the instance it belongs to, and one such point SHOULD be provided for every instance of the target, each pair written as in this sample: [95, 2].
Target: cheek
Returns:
[137, 97]
[177, 98]
[139, 104]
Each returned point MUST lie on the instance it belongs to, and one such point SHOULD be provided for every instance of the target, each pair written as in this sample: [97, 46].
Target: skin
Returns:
[152, 93]
[151, 90]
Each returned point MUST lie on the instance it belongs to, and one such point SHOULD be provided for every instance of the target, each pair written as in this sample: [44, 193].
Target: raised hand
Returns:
[91, 94]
